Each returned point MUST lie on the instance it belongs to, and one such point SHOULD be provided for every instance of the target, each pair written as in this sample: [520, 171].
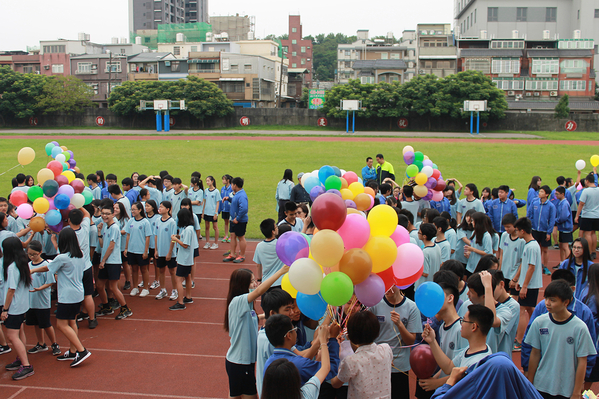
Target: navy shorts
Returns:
[111, 271]
[209, 218]
[14, 322]
[123, 257]
[531, 298]
[196, 253]
[541, 238]
[38, 317]
[225, 215]
[242, 379]
[88, 282]
[587, 224]
[183, 271]
[67, 311]
[565, 237]
[161, 262]
[238, 229]
[151, 252]
[96, 259]
[137, 259]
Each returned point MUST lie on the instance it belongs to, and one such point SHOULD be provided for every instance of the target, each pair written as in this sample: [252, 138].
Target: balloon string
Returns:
[16, 166]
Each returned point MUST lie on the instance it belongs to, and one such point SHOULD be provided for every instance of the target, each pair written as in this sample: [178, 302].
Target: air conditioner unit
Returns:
[518, 95]
[553, 93]
[537, 94]
[46, 66]
[510, 93]
[529, 94]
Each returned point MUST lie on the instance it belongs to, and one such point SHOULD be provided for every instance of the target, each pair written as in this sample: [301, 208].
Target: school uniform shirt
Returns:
[432, 263]
[511, 254]
[542, 215]
[486, 246]
[185, 255]
[167, 195]
[196, 227]
[163, 232]
[69, 277]
[414, 236]
[138, 231]
[422, 205]
[410, 317]
[48, 246]
[441, 206]
[264, 351]
[97, 220]
[243, 331]
[561, 344]
[83, 238]
[495, 242]
[453, 209]
[412, 207]
[590, 197]
[574, 203]
[501, 338]
[531, 255]
[563, 218]
[532, 194]
[463, 296]
[266, 255]
[40, 299]
[451, 236]
[465, 205]
[132, 195]
[450, 340]
[498, 209]
[155, 194]
[176, 201]
[459, 245]
[225, 191]
[19, 225]
[212, 199]
[11, 224]
[445, 247]
[127, 204]
[111, 234]
[196, 195]
[311, 389]
[581, 286]
[20, 299]
[368, 372]
[97, 192]
[298, 226]
[93, 238]
[284, 188]
[152, 220]
[464, 359]
[568, 196]
[122, 225]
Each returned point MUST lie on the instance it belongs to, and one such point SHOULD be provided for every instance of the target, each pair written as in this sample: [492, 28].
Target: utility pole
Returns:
[109, 72]
[281, 77]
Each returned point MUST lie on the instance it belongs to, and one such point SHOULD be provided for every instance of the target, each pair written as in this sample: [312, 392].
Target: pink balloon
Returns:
[370, 291]
[372, 203]
[25, 211]
[355, 231]
[67, 190]
[579, 187]
[409, 261]
[400, 236]
[437, 196]
[350, 177]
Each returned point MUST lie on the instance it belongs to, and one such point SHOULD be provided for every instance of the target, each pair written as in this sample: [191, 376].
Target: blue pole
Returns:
[354, 122]
[158, 121]
[347, 122]
[471, 121]
[167, 122]
[477, 122]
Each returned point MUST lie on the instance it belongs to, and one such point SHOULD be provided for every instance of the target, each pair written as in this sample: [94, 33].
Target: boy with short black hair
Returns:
[501, 207]
[457, 268]
[541, 213]
[238, 214]
[110, 180]
[168, 190]
[290, 219]
[265, 256]
[117, 196]
[431, 252]
[441, 224]
[131, 194]
[92, 180]
[506, 312]
[510, 252]
[560, 346]
[563, 222]
[408, 202]
[179, 192]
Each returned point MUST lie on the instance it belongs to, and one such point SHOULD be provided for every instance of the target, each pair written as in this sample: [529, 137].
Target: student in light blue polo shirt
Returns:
[442, 225]
[431, 252]
[168, 190]
[165, 254]
[139, 234]
[196, 195]
[510, 251]
[92, 180]
[463, 235]
[212, 201]
[184, 241]
[180, 192]
[481, 243]
[149, 183]
[265, 256]
[151, 209]
[587, 215]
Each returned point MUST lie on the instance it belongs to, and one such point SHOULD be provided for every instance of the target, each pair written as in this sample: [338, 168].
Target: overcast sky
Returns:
[26, 22]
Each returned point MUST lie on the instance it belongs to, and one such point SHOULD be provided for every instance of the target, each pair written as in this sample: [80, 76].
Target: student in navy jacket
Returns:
[239, 218]
[541, 213]
[563, 222]
[501, 207]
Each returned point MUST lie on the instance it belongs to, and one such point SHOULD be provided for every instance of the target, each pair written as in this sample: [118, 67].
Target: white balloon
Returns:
[305, 276]
[60, 158]
[427, 170]
[580, 164]
[78, 200]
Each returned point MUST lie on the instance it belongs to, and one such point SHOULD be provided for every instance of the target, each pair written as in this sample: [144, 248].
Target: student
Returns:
[487, 262]
[165, 254]
[168, 190]
[431, 252]
[265, 256]
[122, 218]
[101, 179]
[533, 190]
[239, 219]
[368, 172]
[210, 211]
[408, 202]
[481, 242]
[196, 195]
[510, 252]
[110, 264]
[128, 191]
[92, 180]
[470, 202]
[184, 241]
[442, 225]
[110, 180]
[560, 346]
[463, 234]
[412, 230]
[283, 193]
[150, 184]
[197, 227]
[290, 217]
[458, 269]
[441, 206]
[563, 222]
[180, 191]
[16, 280]
[579, 263]
[152, 216]
[241, 322]
[137, 248]
[400, 322]
[449, 193]
[450, 233]
[117, 196]
[587, 215]
[500, 207]
[529, 278]
[541, 213]
[225, 206]
[96, 219]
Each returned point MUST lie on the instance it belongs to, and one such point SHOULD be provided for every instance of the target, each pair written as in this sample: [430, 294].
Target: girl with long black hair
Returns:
[578, 263]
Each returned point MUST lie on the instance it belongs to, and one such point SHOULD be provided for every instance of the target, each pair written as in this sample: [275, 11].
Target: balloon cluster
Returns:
[425, 173]
[62, 155]
[349, 251]
[57, 193]
[581, 164]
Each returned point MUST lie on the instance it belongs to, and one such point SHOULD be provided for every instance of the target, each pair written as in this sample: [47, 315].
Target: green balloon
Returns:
[419, 165]
[34, 193]
[332, 182]
[65, 166]
[435, 166]
[87, 194]
[307, 237]
[67, 156]
[419, 156]
[337, 288]
[412, 170]
[49, 147]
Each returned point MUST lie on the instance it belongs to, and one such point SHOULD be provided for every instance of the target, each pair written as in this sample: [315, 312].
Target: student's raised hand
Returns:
[457, 373]
[395, 318]
[486, 279]
[324, 333]
[335, 329]
[428, 334]
[100, 225]
[285, 269]
[430, 384]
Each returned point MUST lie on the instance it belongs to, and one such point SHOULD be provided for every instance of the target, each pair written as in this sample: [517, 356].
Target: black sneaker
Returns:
[187, 300]
[4, 349]
[105, 309]
[95, 294]
[82, 316]
[66, 356]
[92, 324]
[124, 313]
[127, 285]
[114, 304]
[80, 357]
[177, 306]
[593, 255]
[14, 365]
[55, 349]
[38, 348]
[24, 372]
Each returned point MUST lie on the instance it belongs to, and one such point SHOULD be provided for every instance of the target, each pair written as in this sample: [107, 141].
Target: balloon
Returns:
[388, 278]
[400, 236]
[50, 188]
[325, 172]
[363, 201]
[291, 246]
[429, 298]
[333, 183]
[427, 162]
[55, 167]
[422, 361]
[56, 228]
[356, 188]
[419, 156]
[64, 147]
[337, 289]
[328, 212]
[371, 291]
[382, 251]
[408, 261]
[437, 196]
[78, 185]
[53, 217]
[71, 156]
[580, 164]
[310, 183]
[49, 148]
[351, 177]
[408, 148]
[66, 190]
[431, 183]
[26, 156]
[67, 156]
[356, 263]
[60, 158]
[78, 200]
[409, 280]
[427, 170]
[18, 197]
[595, 160]
[412, 171]
[65, 166]
[77, 170]
[428, 196]
[286, 286]
[69, 175]
[34, 193]
[420, 191]
[72, 163]
[37, 224]
[350, 204]
[346, 194]
[355, 231]
[418, 164]
[344, 183]
[43, 175]
[436, 174]
[335, 191]
[306, 276]
[62, 201]
[88, 195]
[440, 185]
[369, 191]
[316, 191]
[421, 178]
[579, 187]
[55, 142]
[382, 220]
[408, 157]
[55, 151]
[61, 180]
[312, 306]
[41, 205]
[327, 248]
[25, 211]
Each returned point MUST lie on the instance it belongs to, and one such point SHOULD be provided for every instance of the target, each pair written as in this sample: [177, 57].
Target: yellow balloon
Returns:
[420, 191]
[327, 247]
[41, 205]
[595, 160]
[408, 148]
[420, 179]
[352, 210]
[286, 285]
[382, 220]
[26, 156]
[356, 188]
[69, 175]
[43, 175]
[426, 158]
[64, 148]
[347, 194]
[382, 251]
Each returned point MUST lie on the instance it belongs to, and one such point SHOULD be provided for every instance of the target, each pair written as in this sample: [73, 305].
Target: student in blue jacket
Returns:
[563, 222]
[579, 263]
[500, 207]
[239, 220]
[533, 189]
[541, 213]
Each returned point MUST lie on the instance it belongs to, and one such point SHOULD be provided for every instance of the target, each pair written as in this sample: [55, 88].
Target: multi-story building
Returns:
[100, 72]
[55, 54]
[236, 27]
[147, 14]
[299, 50]
[144, 66]
[437, 51]
[196, 11]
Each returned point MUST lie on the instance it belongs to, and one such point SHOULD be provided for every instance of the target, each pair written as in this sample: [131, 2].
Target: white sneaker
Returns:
[214, 246]
[184, 284]
[207, 246]
[193, 284]
[144, 293]
[134, 291]
[140, 285]
[155, 284]
[174, 295]
[162, 294]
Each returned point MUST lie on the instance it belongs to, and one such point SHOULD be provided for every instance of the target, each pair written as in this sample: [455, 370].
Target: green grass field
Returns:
[262, 163]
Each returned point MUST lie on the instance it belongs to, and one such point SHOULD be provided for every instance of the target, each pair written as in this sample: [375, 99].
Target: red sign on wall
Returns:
[322, 122]
[571, 126]
[171, 121]
[33, 121]
[100, 121]
[244, 121]
[402, 123]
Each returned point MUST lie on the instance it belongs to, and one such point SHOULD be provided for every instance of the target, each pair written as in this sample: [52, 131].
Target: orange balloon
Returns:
[37, 224]
[77, 170]
[344, 183]
[64, 148]
[369, 191]
[362, 201]
[352, 210]
[357, 264]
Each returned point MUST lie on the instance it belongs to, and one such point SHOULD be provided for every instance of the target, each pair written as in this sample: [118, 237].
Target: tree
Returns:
[19, 93]
[324, 54]
[420, 96]
[65, 94]
[562, 109]
[354, 90]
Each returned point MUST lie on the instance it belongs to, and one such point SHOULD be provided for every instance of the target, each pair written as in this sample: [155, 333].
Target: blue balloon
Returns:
[316, 191]
[325, 172]
[310, 183]
[53, 217]
[313, 306]
[62, 201]
[337, 171]
[429, 298]
[55, 151]
[360, 180]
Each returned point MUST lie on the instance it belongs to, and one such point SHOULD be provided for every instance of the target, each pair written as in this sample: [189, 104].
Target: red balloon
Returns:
[78, 186]
[440, 185]
[329, 212]
[55, 167]
[422, 361]
[388, 277]
[436, 173]
[18, 197]
[409, 280]
[65, 212]
[61, 180]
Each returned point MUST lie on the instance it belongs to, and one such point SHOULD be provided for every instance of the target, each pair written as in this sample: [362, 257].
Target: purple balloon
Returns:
[427, 162]
[315, 192]
[66, 190]
[370, 291]
[403, 287]
[408, 157]
[72, 163]
[351, 204]
[55, 142]
[428, 196]
[431, 183]
[71, 154]
[334, 191]
[292, 246]
[56, 228]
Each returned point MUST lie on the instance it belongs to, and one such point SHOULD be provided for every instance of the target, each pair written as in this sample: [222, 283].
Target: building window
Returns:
[232, 87]
[507, 44]
[473, 64]
[175, 66]
[55, 49]
[285, 49]
[544, 85]
[293, 41]
[294, 53]
[474, 15]
[509, 84]
[596, 12]
[57, 68]
[303, 61]
[234, 68]
[247, 67]
[347, 53]
[177, 50]
[293, 30]
[348, 64]
[573, 66]
[366, 79]
[384, 56]
[551, 14]
[303, 49]
[395, 56]
[492, 14]
[506, 66]
[545, 66]
[114, 67]
[467, 23]
[194, 49]
[294, 65]
[84, 67]
[573, 85]
[521, 14]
